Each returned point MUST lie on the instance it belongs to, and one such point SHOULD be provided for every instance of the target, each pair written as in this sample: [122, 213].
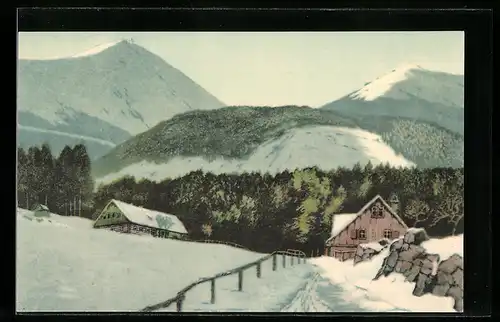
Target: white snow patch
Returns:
[386, 293]
[95, 50]
[326, 147]
[383, 84]
[415, 230]
[374, 245]
[76, 136]
[434, 267]
[445, 247]
[411, 80]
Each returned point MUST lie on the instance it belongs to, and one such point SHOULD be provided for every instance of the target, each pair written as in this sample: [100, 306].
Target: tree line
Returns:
[263, 212]
[294, 209]
[63, 183]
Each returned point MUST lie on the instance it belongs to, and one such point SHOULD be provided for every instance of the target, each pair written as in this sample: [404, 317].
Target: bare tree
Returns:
[451, 208]
[417, 210]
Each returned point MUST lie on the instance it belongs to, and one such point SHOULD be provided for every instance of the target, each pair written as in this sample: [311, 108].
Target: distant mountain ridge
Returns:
[109, 93]
[409, 92]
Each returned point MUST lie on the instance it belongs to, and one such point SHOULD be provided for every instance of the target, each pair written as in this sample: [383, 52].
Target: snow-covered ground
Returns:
[63, 264]
[327, 147]
[387, 293]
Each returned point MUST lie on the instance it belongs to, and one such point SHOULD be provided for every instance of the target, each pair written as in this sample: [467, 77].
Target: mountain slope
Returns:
[108, 93]
[231, 133]
[326, 147]
[237, 139]
[409, 92]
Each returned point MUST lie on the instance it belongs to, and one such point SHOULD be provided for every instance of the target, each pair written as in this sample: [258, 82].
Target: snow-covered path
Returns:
[308, 299]
[319, 294]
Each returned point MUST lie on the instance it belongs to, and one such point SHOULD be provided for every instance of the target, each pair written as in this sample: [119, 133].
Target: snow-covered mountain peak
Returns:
[412, 80]
[99, 48]
[108, 92]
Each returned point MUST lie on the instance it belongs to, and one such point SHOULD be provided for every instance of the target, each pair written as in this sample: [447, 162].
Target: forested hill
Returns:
[236, 133]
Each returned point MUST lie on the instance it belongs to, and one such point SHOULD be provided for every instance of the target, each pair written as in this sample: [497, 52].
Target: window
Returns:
[395, 234]
[362, 234]
[388, 233]
[354, 234]
[377, 211]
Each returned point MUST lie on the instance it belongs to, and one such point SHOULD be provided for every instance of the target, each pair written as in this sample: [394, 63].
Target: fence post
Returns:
[179, 303]
[274, 262]
[258, 270]
[240, 280]
[212, 290]
[291, 260]
[284, 260]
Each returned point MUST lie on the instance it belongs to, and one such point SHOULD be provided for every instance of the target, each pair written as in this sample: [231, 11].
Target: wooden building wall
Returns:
[345, 243]
[374, 228]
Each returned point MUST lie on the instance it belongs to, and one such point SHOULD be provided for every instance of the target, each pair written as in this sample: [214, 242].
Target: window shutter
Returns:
[395, 234]
[354, 234]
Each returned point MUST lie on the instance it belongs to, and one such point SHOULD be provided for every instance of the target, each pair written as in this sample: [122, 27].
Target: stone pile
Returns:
[365, 252]
[407, 257]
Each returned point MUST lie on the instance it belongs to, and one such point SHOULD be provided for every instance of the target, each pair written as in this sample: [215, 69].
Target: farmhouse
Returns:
[125, 218]
[41, 210]
[376, 220]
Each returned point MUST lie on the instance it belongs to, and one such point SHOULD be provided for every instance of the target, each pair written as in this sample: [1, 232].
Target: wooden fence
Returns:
[297, 255]
[210, 241]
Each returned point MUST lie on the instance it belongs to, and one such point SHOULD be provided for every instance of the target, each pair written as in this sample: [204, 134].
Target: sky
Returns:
[272, 68]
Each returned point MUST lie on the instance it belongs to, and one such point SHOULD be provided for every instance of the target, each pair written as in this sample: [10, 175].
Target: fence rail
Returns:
[181, 295]
[210, 241]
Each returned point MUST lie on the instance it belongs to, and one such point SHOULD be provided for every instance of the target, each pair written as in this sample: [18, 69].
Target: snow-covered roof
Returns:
[41, 207]
[341, 221]
[150, 218]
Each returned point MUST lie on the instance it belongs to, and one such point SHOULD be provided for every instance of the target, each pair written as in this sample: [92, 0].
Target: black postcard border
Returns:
[477, 25]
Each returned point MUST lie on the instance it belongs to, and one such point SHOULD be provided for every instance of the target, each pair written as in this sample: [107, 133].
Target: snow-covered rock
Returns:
[365, 252]
[417, 264]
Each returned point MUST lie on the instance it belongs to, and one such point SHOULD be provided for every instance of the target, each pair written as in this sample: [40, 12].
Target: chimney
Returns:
[394, 202]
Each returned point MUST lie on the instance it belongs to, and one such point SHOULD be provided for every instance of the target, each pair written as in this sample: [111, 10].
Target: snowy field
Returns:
[326, 147]
[63, 264]
[391, 293]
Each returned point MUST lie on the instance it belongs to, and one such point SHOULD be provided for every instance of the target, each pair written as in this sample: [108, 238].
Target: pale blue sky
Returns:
[272, 68]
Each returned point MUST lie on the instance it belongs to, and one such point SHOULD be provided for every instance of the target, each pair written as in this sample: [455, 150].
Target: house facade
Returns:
[126, 218]
[41, 210]
[375, 221]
